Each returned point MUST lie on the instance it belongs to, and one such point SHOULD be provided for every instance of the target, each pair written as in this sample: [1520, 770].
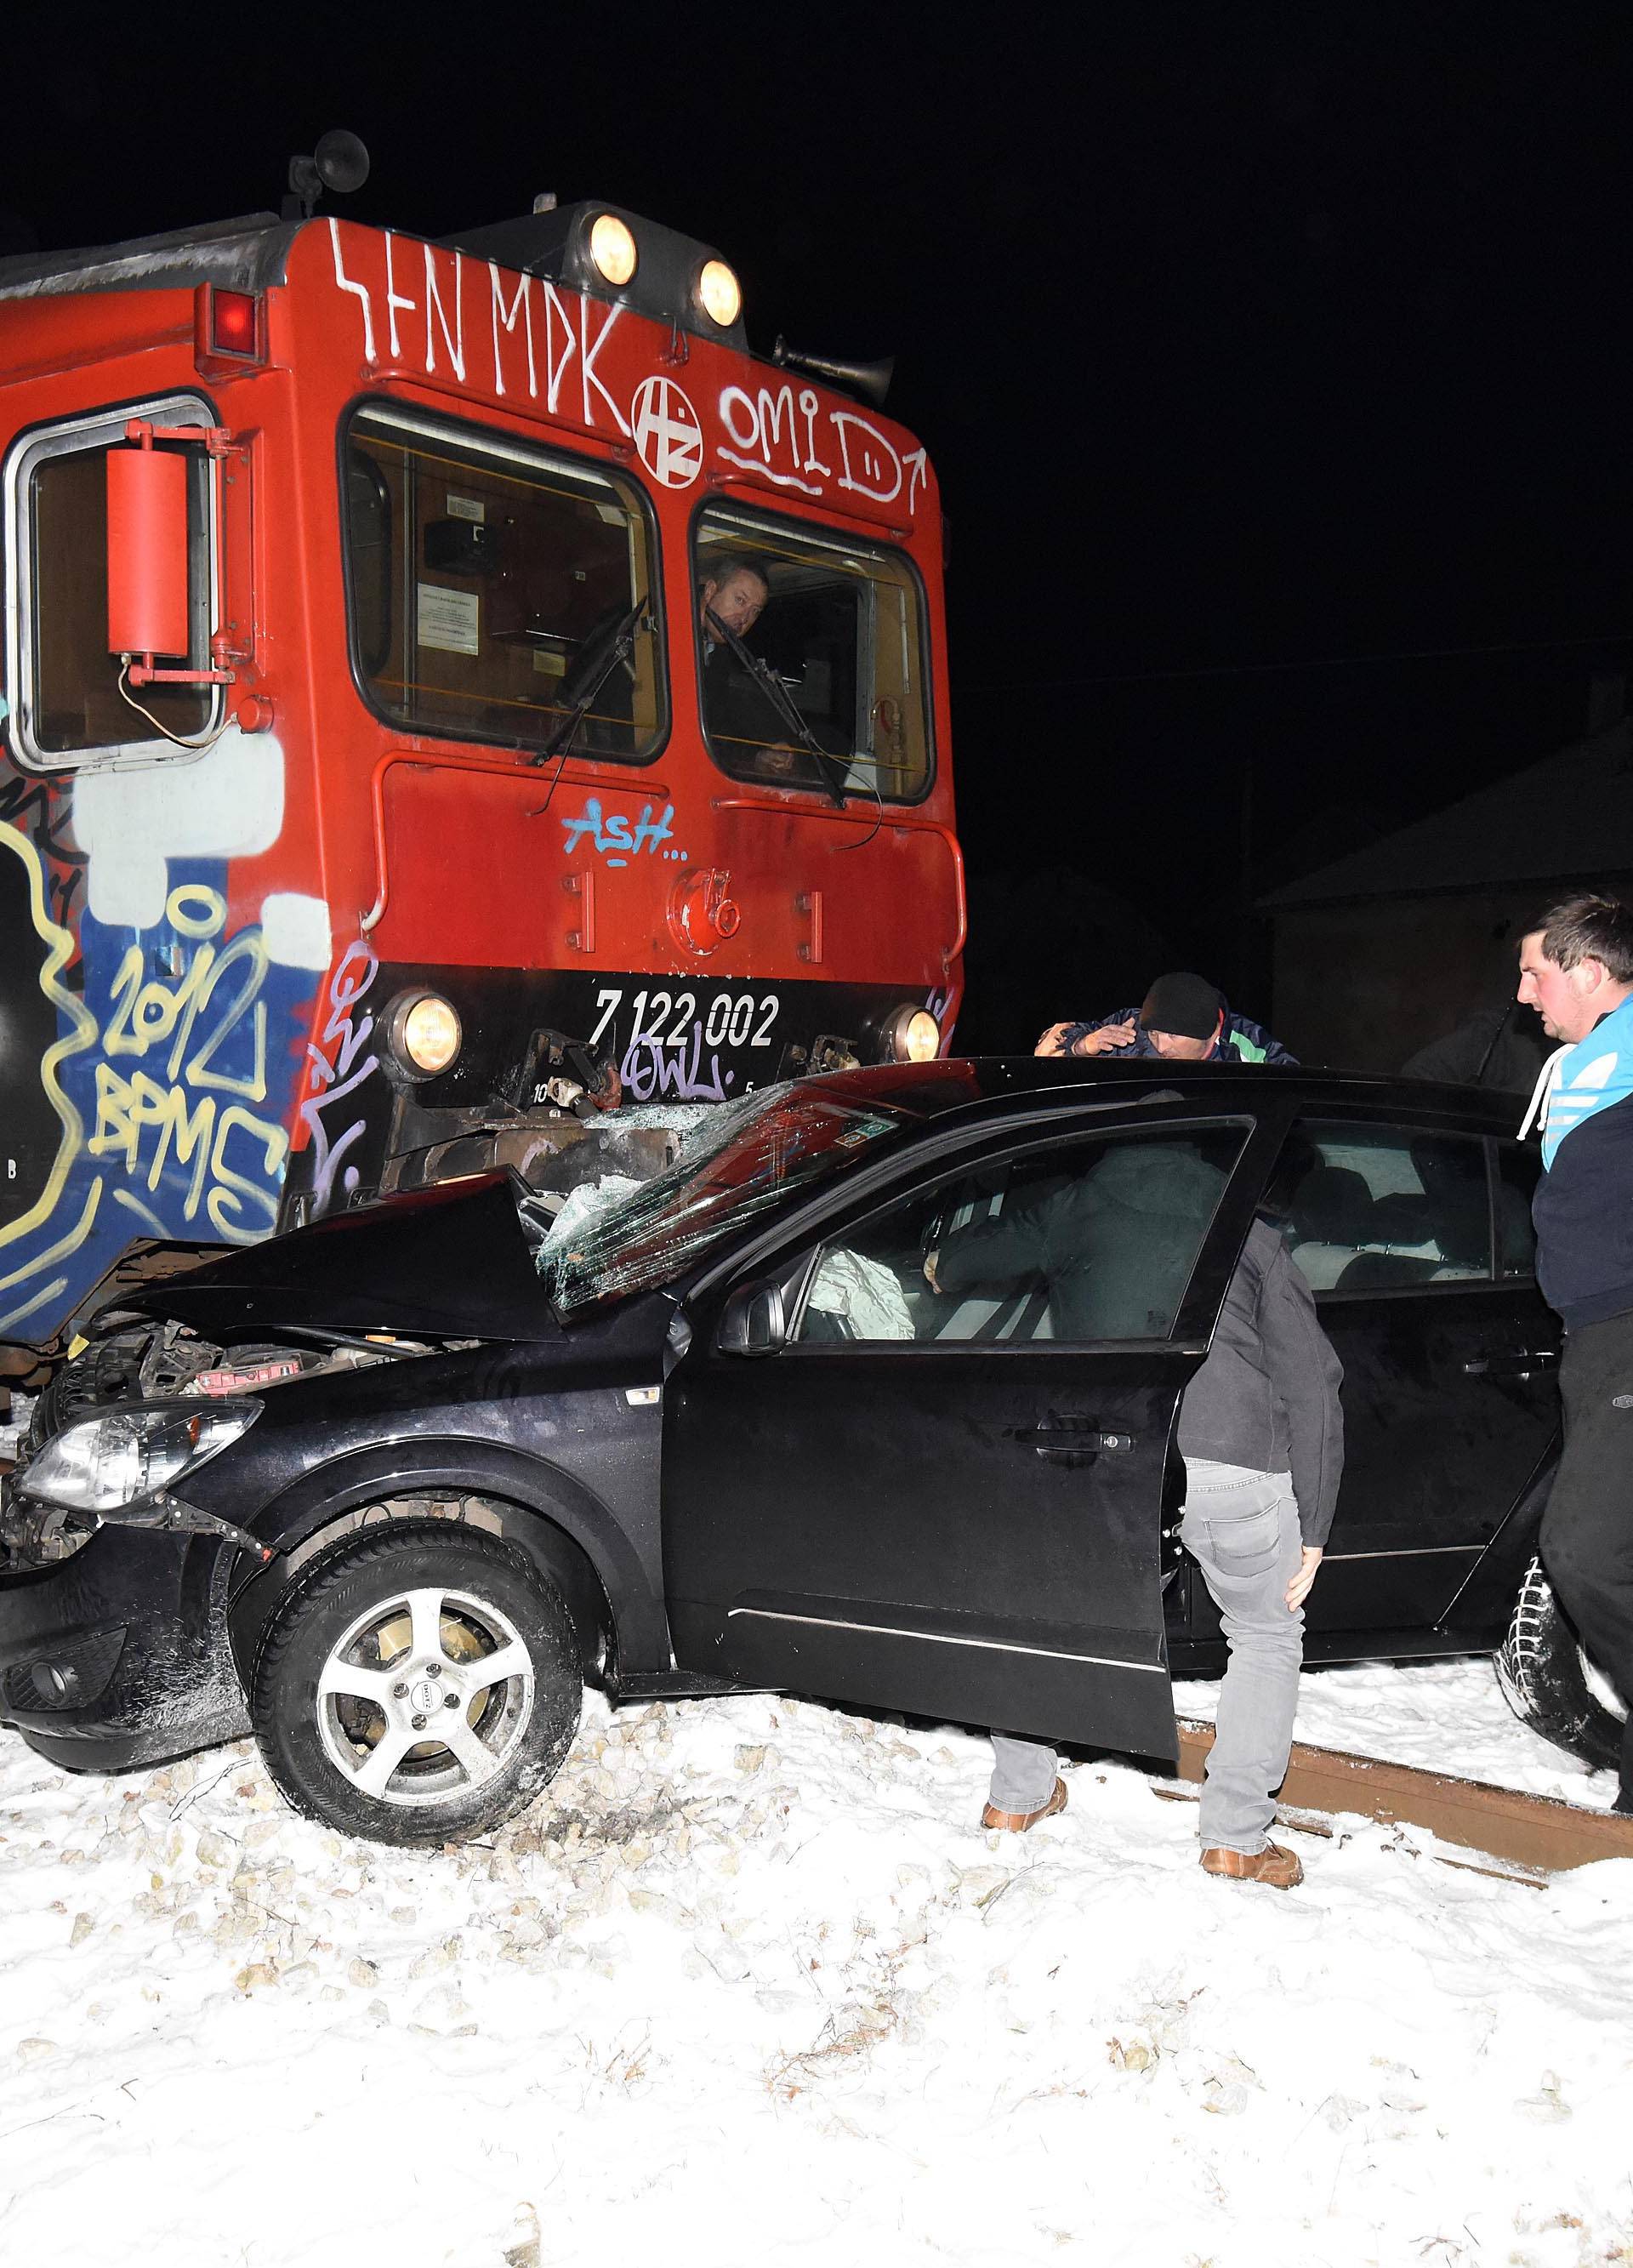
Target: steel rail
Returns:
[1532, 1835]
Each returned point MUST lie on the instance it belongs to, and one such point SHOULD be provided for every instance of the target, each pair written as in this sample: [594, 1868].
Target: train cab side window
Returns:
[835, 660]
[67, 705]
[500, 593]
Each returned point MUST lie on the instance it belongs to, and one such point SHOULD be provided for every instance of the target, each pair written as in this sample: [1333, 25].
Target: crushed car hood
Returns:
[446, 1262]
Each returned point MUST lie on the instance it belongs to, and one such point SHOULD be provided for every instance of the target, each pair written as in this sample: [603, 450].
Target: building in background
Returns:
[1379, 953]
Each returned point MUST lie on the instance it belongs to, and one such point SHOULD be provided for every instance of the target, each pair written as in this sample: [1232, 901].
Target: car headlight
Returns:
[104, 1463]
[912, 1035]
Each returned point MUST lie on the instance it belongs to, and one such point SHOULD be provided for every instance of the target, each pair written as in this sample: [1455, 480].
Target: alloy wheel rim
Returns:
[425, 1696]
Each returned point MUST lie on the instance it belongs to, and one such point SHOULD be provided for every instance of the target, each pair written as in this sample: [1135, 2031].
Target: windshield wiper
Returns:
[620, 646]
[829, 768]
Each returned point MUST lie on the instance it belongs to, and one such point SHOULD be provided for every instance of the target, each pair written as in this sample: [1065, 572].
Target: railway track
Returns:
[1521, 1837]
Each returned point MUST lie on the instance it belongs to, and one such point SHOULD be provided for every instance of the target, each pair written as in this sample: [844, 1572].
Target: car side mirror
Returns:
[753, 1320]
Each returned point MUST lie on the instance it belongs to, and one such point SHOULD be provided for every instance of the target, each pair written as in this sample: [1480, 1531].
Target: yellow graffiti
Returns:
[128, 1109]
[171, 1107]
[148, 1012]
[81, 1033]
[148, 1118]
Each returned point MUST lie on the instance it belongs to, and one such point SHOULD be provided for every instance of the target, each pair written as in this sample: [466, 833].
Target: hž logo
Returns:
[667, 433]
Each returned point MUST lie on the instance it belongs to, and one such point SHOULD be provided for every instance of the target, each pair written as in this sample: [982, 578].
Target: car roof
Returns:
[997, 1086]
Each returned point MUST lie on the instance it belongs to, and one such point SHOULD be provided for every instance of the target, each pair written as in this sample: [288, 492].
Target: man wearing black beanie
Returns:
[1183, 1019]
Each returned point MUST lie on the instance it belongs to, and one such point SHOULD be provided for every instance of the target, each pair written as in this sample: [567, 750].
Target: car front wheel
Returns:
[417, 1685]
[1550, 1684]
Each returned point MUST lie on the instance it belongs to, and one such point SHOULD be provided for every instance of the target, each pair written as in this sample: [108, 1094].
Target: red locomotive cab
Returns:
[498, 702]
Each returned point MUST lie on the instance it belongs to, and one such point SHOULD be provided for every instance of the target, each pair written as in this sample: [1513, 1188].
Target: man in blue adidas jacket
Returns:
[1182, 1018]
[1576, 970]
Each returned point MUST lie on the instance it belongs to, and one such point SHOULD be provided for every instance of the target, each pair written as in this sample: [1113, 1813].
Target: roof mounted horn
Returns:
[340, 164]
[871, 380]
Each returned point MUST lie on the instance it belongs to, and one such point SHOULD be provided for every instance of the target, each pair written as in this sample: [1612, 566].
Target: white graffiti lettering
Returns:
[452, 343]
[333, 1076]
[652, 1069]
[520, 305]
[358, 292]
[779, 432]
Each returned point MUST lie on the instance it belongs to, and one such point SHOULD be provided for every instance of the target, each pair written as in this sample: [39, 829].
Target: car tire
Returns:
[373, 1702]
[1549, 1682]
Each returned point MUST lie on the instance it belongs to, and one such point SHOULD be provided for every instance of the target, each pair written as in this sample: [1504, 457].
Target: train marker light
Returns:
[233, 323]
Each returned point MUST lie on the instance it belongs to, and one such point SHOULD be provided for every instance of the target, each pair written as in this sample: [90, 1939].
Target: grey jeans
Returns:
[1241, 1528]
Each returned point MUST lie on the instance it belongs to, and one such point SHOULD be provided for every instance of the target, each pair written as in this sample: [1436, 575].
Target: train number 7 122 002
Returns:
[720, 1019]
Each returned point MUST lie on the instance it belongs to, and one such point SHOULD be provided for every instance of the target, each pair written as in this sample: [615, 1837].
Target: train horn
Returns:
[870, 379]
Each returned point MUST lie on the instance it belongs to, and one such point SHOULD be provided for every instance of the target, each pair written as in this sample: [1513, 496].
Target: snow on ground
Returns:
[1441, 1716]
[749, 1985]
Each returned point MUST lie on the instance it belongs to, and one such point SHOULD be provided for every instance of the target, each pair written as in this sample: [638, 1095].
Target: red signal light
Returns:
[234, 323]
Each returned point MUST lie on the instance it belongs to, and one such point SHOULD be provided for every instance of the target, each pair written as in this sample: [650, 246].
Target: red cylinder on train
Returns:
[147, 552]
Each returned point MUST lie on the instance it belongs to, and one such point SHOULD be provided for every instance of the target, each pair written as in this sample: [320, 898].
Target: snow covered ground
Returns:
[749, 1985]
[1440, 1715]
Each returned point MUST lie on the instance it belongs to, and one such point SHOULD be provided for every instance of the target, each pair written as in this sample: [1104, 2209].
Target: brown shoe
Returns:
[1017, 1822]
[1279, 1868]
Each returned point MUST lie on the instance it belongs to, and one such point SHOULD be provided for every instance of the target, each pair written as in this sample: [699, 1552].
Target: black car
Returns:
[388, 1489]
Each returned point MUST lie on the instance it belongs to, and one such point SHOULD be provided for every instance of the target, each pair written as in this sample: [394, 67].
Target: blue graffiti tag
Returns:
[616, 834]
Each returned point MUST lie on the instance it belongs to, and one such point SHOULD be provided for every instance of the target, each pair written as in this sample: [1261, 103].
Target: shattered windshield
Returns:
[744, 1159]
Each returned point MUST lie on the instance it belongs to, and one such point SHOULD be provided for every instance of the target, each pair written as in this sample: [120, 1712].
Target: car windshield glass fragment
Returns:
[744, 1159]
[488, 585]
[834, 634]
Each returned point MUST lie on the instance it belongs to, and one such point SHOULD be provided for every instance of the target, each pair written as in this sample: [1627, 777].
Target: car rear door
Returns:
[1420, 1261]
[950, 1502]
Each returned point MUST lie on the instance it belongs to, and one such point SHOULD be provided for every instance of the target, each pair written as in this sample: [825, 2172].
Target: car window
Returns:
[1517, 1166]
[1372, 1208]
[1089, 1241]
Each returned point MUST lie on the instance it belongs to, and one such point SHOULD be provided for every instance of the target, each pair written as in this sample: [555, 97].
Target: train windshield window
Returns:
[66, 698]
[499, 592]
[830, 656]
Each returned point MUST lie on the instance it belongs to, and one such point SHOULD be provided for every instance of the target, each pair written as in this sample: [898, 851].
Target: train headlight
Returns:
[424, 1033]
[912, 1035]
[612, 249]
[719, 294]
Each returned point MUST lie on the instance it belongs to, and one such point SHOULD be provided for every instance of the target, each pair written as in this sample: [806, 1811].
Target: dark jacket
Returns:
[1240, 1042]
[1267, 1396]
[1112, 1248]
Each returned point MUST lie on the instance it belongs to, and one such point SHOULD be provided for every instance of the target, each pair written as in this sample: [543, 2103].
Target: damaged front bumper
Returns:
[116, 1655]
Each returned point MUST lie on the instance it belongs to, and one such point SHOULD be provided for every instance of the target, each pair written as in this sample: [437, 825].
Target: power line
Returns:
[1328, 661]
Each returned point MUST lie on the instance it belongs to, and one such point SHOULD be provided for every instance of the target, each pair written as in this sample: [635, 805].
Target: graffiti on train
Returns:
[159, 1103]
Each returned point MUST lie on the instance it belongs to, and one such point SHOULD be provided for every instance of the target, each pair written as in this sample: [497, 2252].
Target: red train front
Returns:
[555, 716]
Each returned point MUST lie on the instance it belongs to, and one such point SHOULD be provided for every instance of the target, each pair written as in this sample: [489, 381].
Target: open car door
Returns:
[946, 1497]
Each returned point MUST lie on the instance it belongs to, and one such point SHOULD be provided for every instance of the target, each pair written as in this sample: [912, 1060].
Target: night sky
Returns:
[1245, 339]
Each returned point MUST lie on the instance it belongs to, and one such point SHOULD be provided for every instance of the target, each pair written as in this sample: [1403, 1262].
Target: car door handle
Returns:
[1516, 1362]
[1072, 1437]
